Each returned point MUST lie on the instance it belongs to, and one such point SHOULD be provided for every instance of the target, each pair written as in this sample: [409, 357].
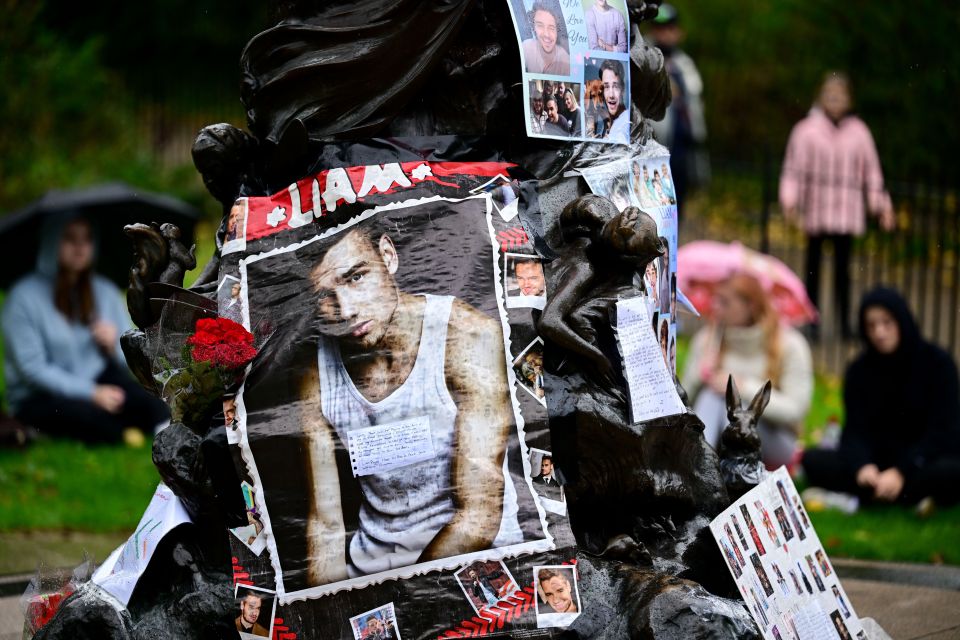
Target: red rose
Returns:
[221, 342]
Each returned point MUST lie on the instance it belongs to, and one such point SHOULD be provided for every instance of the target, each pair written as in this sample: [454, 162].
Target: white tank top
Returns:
[403, 508]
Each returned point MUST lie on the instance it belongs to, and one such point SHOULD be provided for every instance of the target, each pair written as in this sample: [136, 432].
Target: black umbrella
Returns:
[108, 207]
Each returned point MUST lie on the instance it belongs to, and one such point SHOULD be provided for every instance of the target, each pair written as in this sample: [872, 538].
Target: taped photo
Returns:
[528, 369]
[255, 611]
[229, 299]
[546, 481]
[523, 281]
[251, 535]
[376, 624]
[235, 238]
[486, 583]
[558, 595]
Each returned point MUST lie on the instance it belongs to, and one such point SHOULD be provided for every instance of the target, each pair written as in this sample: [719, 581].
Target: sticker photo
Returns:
[528, 368]
[523, 281]
[255, 609]
[486, 583]
[558, 597]
[235, 238]
[250, 535]
[376, 624]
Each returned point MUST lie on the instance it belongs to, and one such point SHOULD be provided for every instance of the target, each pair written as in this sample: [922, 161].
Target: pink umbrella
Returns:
[702, 264]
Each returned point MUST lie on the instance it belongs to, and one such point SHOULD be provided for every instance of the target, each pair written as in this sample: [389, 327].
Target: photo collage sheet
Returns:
[780, 567]
[645, 181]
[392, 435]
[576, 68]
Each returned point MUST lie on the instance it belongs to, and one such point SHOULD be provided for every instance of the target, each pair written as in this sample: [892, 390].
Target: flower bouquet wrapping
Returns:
[212, 362]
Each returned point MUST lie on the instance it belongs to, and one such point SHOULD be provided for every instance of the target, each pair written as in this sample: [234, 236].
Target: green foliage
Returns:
[69, 120]
[763, 60]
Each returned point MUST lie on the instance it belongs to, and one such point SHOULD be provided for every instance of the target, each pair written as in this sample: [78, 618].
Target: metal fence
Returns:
[920, 257]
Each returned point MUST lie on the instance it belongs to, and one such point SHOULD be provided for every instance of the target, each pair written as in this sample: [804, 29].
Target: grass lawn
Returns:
[62, 485]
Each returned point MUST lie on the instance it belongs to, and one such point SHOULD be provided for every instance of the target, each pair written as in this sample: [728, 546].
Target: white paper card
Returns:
[780, 566]
[652, 390]
[119, 574]
[389, 446]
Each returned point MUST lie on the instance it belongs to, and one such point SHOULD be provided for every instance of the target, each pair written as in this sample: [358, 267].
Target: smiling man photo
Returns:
[543, 53]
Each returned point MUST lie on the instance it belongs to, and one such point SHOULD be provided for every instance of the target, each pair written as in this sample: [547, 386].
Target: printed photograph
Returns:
[761, 615]
[663, 336]
[235, 238]
[733, 544]
[255, 609]
[618, 192]
[523, 281]
[793, 514]
[651, 185]
[607, 25]
[785, 527]
[736, 527]
[376, 624]
[761, 574]
[502, 196]
[607, 99]
[816, 574]
[767, 523]
[555, 108]
[544, 43]
[558, 597]
[229, 301]
[664, 274]
[528, 368]
[753, 530]
[383, 454]
[486, 583]
[806, 582]
[796, 583]
[823, 562]
[732, 560]
[838, 624]
[651, 282]
[249, 535]
[840, 601]
[544, 476]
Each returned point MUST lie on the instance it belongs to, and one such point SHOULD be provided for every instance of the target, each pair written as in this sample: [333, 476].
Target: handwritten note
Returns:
[121, 571]
[390, 446]
[652, 390]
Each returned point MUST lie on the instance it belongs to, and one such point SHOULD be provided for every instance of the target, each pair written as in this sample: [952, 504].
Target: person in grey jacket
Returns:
[65, 373]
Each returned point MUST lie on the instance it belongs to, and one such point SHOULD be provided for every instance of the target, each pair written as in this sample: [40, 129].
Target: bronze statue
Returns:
[640, 496]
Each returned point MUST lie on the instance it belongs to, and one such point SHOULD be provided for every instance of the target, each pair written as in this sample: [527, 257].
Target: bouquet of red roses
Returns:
[213, 361]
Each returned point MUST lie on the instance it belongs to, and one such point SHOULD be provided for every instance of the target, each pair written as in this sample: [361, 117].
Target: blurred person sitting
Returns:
[747, 340]
[831, 163]
[65, 373]
[901, 440]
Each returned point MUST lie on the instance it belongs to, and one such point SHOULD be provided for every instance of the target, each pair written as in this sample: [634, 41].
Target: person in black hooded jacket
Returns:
[901, 441]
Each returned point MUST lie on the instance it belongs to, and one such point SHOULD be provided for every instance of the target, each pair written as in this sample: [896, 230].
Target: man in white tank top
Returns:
[386, 357]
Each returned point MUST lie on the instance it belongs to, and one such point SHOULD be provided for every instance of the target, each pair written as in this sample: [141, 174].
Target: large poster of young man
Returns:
[387, 398]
